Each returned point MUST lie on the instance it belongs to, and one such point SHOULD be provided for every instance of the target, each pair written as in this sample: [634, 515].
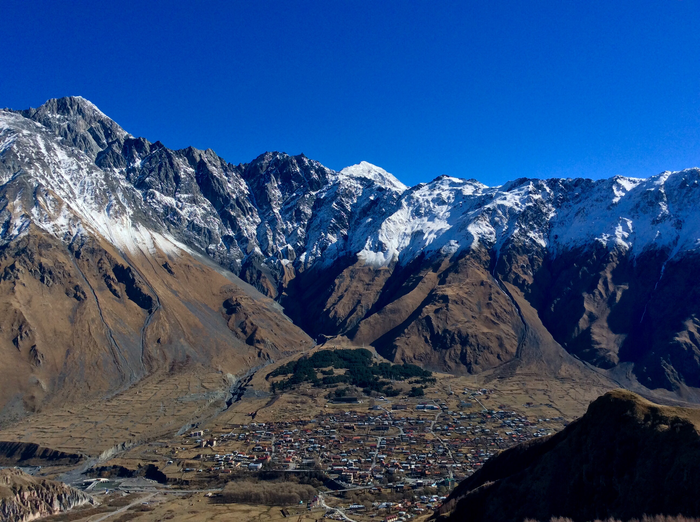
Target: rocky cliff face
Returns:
[625, 458]
[427, 274]
[24, 498]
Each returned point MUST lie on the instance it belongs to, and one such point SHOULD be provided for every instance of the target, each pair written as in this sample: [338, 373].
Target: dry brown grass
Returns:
[267, 494]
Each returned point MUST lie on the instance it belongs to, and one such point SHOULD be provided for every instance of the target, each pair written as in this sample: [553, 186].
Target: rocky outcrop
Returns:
[24, 498]
[625, 458]
[30, 454]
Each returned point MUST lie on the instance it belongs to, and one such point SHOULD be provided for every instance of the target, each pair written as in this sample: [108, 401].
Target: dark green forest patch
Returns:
[358, 368]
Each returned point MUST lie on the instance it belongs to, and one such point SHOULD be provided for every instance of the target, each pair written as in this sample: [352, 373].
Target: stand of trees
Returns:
[361, 371]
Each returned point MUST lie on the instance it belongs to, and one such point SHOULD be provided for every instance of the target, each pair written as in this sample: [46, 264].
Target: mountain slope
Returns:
[87, 320]
[624, 458]
[94, 295]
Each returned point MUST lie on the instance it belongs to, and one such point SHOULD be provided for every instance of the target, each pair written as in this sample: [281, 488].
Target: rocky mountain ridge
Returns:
[427, 274]
[279, 206]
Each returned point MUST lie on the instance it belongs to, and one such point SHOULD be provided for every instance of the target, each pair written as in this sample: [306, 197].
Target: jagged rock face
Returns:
[625, 458]
[263, 219]
[24, 498]
[419, 272]
[85, 127]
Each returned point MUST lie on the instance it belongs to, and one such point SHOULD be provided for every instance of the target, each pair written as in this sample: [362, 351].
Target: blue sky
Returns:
[488, 89]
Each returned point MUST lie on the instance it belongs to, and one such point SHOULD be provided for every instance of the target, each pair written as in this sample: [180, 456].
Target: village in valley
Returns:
[427, 443]
[367, 455]
[352, 436]
[415, 450]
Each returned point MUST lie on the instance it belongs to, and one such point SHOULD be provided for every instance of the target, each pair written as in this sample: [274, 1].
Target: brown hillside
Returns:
[88, 321]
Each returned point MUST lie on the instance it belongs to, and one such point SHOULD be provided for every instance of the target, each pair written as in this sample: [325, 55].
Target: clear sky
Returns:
[487, 89]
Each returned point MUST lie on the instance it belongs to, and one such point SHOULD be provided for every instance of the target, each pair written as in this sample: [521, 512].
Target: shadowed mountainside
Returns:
[29, 454]
[625, 458]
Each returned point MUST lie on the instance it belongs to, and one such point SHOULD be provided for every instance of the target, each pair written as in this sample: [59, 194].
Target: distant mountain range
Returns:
[591, 277]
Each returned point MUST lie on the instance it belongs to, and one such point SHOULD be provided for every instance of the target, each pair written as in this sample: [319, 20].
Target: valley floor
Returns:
[399, 455]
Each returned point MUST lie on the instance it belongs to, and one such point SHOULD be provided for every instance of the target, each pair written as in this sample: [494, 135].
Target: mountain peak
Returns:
[79, 121]
[366, 170]
[71, 107]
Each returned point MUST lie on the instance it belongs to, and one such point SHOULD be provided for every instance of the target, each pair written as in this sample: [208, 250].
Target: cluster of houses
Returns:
[425, 443]
[411, 448]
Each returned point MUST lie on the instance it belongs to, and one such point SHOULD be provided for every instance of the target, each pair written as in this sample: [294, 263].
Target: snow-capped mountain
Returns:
[449, 214]
[437, 274]
[281, 210]
[274, 211]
